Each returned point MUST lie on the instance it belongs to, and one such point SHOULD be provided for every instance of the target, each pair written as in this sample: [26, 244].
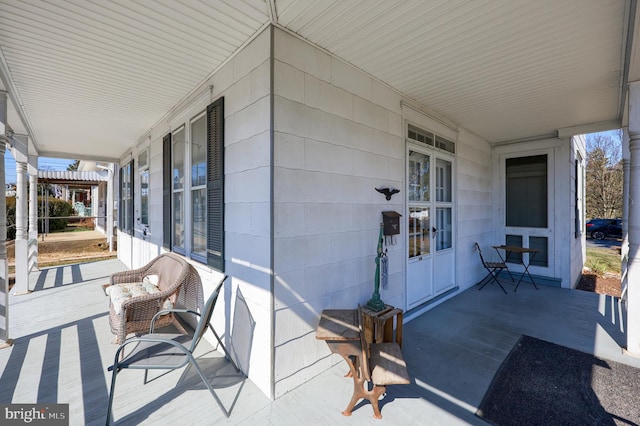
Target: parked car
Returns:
[599, 229]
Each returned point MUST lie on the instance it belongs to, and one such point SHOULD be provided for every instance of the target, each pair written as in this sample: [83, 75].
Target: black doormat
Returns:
[541, 383]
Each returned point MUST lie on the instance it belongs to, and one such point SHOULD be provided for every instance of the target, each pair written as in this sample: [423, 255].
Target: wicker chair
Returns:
[177, 281]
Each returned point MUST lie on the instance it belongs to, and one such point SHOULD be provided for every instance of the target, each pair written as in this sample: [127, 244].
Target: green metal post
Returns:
[375, 303]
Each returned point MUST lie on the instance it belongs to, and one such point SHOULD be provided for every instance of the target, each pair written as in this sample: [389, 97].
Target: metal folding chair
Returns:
[168, 351]
[493, 269]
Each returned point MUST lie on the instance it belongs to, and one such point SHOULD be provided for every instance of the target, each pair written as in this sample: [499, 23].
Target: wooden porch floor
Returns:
[62, 346]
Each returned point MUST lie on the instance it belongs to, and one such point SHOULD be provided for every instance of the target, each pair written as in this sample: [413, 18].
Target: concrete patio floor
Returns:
[62, 347]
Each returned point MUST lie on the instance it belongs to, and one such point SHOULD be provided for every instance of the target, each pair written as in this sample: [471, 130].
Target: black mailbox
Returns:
[391, 222]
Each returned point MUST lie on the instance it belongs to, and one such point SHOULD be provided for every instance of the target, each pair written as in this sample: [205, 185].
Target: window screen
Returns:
[526, 191]
[542, 257]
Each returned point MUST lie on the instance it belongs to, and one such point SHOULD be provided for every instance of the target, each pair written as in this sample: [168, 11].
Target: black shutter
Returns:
[166, 192]
[132, 212]
[121, 201]
[215, 184]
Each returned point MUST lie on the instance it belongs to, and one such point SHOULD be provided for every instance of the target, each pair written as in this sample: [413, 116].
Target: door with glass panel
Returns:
[430, 251]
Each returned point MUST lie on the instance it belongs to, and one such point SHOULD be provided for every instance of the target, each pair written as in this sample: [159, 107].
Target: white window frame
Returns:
[143, 168]
[508, 152]
[190, 200]
[213, 256]
[182, 249]
[187, 190]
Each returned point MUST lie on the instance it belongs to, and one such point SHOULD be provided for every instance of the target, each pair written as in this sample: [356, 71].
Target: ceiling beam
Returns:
[271, 10]
[629, 30]
[585, 129]
[75, 156]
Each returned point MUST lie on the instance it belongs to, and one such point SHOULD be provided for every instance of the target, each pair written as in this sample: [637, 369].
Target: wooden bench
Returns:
[381, 364]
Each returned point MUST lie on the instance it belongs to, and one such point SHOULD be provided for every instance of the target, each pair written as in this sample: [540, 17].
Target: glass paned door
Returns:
[444, 237]
[419, 206]
[444, 209]
[443, 180]
[419, 178]
[419, 238]
[430, 258]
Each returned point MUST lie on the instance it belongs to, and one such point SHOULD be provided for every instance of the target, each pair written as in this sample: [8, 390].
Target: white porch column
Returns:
[633, 273]
[20, 144]
[32, 168]
[4, 268]
[110, 206]
[624, 252]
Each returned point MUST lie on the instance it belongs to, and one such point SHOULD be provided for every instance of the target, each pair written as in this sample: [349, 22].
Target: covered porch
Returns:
[305, 108]
[62, 347]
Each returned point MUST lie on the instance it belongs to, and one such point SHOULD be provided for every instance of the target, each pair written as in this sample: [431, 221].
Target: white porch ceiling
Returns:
[92, 76]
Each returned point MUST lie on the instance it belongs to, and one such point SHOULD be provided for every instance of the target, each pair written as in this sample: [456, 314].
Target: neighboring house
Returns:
[266, 167]
[10, 190]
[88, 186]
[102, 197]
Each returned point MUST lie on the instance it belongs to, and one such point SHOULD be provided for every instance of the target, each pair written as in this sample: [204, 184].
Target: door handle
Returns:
[433, 231]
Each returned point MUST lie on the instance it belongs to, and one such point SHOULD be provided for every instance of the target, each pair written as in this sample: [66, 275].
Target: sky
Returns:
[615, 134]
[44, 163]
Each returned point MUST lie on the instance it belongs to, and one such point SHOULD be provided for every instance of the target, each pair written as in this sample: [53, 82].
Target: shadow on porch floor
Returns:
[63, 347]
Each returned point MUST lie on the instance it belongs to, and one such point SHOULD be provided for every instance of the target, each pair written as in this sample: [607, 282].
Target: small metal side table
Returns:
[519, 250]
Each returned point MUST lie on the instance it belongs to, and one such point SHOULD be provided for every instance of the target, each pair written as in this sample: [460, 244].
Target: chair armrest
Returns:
[127, 277]
[132, 275]
[146, 338]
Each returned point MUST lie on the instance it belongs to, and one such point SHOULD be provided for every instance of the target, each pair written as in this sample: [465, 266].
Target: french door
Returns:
[430, 253]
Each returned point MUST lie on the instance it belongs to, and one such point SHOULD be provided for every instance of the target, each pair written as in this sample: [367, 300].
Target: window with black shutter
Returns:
[195, 192]
[215, 184]
[125, 219]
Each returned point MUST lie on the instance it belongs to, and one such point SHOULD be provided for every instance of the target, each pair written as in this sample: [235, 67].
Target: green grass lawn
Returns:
[603, 260]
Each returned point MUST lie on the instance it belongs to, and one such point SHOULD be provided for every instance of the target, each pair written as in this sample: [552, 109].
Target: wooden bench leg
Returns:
[358, 383]
[361, 391]
[374, 397]
[358, 393]
[353, 360]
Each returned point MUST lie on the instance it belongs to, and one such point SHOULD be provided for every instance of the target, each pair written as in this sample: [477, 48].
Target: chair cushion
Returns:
[120, 293]
[151, 279]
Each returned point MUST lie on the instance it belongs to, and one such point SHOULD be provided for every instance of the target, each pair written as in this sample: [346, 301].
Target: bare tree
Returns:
[604, 175]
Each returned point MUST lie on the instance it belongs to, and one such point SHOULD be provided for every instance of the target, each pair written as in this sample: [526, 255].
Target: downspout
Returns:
[271, 214]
